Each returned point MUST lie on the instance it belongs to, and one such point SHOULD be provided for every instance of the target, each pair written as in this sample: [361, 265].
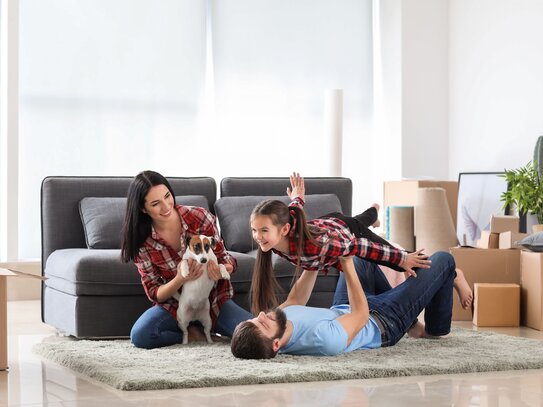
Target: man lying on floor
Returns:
[356, 322]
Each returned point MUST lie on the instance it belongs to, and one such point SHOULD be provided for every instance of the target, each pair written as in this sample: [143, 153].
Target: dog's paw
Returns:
[183, 268]
[224, 274]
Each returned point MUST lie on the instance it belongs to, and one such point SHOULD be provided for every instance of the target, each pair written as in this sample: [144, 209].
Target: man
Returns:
[354, 321]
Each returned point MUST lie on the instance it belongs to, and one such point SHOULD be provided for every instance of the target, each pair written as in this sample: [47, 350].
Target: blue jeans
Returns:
[156, 327]
[371, 276]
[396, 309]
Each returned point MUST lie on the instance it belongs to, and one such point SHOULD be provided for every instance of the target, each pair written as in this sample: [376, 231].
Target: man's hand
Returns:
[415, 260]
[298, 186]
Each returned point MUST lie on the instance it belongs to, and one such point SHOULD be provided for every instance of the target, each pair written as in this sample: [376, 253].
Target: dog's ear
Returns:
[187, 240]
[213, 242]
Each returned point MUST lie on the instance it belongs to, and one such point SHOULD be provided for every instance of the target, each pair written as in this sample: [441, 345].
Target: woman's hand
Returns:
[298, 186]
[195, 270]
[214, 271]
[415, 260]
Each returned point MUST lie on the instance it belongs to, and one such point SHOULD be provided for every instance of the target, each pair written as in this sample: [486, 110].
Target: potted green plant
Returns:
[525, 191]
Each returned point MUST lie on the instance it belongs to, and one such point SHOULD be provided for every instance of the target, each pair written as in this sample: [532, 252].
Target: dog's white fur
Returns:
[194, 297]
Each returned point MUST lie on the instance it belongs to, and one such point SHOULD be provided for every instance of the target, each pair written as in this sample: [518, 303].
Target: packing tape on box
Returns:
[434, 226]
[400, 226]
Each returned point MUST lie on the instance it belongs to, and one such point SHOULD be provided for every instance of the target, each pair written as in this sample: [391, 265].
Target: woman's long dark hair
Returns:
[264, 285]
[137, 224]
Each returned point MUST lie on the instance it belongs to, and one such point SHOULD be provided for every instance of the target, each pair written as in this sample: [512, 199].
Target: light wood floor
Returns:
[34, 382]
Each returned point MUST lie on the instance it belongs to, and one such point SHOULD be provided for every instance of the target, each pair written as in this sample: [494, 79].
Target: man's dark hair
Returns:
[249, 343]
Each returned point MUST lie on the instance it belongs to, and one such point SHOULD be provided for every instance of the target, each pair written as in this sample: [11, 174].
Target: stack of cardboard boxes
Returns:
[503, 233]
[507, 282]
[502, 278]
[497, 267]
[493, 274]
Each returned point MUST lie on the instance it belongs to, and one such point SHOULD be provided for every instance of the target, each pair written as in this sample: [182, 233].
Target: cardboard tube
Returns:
[333, 130]
[433, 221]
[401, 226]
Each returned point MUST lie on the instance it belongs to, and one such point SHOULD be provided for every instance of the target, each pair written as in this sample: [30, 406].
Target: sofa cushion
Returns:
[103, 217]
[233, 213]
[92, 272]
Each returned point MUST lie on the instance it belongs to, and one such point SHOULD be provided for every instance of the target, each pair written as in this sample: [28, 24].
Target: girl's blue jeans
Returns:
[156, 327]
[397, 308]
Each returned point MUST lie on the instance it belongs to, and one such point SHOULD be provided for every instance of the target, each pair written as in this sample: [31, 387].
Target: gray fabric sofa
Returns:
[90, 293]
[238, 197]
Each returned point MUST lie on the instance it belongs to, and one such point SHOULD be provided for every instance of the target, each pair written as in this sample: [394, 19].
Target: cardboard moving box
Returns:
[484, 266]
[531, 283]
[4, 275]
[488, 240]
[508, 239]
[504, 223]
[496, 304]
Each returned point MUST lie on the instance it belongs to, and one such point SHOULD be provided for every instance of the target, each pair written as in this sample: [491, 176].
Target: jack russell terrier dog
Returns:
[194, 296]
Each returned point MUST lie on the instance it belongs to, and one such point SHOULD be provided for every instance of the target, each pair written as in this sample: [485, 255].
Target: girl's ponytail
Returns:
[264, 285]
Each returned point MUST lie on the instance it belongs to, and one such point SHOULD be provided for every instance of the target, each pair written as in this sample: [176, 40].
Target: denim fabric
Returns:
[371, 276]
[399, 307]
[230, 315]
[431, 291]
[156, 327]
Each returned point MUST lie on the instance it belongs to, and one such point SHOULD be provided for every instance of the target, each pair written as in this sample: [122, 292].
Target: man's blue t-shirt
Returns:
[317, 332]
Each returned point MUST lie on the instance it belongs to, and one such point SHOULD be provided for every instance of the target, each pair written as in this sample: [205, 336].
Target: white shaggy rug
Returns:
[121, 365]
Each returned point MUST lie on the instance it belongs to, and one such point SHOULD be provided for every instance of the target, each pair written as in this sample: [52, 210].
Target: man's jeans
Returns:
[399, 307]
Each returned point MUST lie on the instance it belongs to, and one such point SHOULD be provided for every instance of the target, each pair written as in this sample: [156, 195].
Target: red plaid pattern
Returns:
[157, 261]
[336, 241]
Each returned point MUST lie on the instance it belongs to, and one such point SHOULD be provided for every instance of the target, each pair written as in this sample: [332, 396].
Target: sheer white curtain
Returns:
[187, 88]
[273, 61]
[108, 87]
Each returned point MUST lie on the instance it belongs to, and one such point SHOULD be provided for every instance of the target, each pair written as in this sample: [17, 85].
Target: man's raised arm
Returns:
[301, 291]
[355, 321]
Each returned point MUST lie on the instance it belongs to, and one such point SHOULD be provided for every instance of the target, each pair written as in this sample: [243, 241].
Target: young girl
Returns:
[154, 233]
[315, 245]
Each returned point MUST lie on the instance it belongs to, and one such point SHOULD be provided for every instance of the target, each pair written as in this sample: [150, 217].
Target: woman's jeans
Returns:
[156, 327]
[397, 308]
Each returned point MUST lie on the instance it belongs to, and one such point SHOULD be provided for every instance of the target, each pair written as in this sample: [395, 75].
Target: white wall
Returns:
[496, 83]
[411, 76]
[471, 84]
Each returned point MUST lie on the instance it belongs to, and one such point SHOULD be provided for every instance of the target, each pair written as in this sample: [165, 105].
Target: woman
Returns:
[153, 237]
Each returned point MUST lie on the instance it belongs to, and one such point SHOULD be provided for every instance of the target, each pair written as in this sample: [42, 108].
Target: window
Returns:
[185, 87]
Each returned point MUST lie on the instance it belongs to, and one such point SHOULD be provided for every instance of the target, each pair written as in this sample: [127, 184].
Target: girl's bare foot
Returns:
[377, 223]
[463, 289]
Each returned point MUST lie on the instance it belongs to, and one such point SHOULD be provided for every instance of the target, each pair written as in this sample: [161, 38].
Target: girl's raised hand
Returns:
[414, 260]
[298, 187]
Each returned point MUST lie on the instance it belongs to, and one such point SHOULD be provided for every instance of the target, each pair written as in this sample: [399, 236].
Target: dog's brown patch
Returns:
[199, 244]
